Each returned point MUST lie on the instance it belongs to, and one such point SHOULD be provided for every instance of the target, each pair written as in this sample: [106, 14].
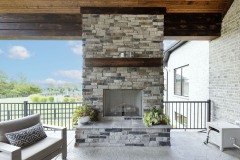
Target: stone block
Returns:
[153, 144]
[164, 144]
[164, 134]
[132, 144]
[80, 140]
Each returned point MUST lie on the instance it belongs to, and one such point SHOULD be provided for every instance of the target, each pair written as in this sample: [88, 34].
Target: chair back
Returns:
[17, 124]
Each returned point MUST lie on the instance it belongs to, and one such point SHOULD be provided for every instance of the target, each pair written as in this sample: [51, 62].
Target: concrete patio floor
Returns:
[185, 145]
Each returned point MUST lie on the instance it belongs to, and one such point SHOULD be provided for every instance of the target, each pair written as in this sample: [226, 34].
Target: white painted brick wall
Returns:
[196, 55]
[225, 68]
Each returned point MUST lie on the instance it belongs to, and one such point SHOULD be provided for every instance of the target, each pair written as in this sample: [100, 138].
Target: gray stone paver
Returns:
[185, 145]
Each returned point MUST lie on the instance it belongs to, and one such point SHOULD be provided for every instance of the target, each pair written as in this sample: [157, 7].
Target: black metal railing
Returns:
[182, 114]
[51, 113]
[188, 114]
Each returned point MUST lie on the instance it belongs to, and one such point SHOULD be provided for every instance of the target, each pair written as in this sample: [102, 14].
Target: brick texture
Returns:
[224, 64]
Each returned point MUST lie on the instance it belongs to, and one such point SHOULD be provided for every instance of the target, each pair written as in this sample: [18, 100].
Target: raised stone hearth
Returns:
[122, 133]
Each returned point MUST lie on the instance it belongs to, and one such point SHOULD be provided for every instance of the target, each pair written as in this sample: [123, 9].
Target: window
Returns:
[181, 81]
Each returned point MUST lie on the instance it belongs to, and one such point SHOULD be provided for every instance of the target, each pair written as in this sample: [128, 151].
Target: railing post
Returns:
[208, 110]
[25, 107]
[8, 115]
[55, 114]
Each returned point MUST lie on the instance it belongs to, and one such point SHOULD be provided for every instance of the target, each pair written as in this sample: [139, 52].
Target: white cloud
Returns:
[18, 52]
[1, 52]
[71, 74]
[50, 81]
[76, 47]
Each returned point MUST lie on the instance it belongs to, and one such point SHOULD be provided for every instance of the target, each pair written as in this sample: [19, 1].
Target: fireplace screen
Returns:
[122, 102]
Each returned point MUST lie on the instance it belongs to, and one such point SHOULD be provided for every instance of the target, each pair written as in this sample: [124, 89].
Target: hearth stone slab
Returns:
[122, 133]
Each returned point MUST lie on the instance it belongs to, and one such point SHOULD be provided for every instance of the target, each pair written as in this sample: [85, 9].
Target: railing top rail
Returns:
[55, 103]
[41, 103]
[11, 103]
[185, 102]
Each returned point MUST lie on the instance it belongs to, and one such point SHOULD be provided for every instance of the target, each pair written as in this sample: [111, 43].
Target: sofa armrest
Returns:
[54, 127]
[14, 152]
[63, 136]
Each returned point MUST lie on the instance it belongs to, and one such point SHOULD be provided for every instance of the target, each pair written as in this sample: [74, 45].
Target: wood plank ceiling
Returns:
[72, 6]
[61, 19]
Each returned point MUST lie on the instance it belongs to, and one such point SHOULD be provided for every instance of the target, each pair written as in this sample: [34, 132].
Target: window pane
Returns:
[185, 81]
[177, 81]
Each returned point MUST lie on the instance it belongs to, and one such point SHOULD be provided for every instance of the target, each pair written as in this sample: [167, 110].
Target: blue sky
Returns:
[43, 62]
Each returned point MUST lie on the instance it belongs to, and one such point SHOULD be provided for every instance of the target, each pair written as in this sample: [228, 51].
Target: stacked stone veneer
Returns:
[123, 137]
[108, 35]
[224, 64]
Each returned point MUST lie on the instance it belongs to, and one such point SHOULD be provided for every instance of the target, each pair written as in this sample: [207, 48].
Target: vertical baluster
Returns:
[190, 114]
[1, 112]
[184, 126]
[197, 115]
[58, 114]
[65, 115]
[172, 113]
[179, 111]
[8, 114]
[187, 115]
[47, 113]
[69, 115]
[194, 113]
[55, 115]
[201, 116]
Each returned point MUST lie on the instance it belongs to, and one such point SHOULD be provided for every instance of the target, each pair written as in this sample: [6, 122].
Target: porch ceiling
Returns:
[72, 6]
[57, 19]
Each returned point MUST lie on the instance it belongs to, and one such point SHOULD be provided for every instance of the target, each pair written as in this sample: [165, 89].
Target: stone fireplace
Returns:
[117, 91]
[107, 36]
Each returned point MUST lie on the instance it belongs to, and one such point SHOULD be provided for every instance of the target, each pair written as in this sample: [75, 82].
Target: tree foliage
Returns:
[16, 87]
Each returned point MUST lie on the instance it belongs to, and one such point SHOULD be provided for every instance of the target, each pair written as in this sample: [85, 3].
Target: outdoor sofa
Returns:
[44, 149]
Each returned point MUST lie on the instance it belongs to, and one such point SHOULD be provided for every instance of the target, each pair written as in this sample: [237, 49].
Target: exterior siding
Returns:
[225, 67]
[196, 55]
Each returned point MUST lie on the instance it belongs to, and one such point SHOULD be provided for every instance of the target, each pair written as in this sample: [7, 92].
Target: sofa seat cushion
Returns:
[27, 136]
[41, 149]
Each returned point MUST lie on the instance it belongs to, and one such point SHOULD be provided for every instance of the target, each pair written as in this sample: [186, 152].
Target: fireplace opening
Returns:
[122, 102]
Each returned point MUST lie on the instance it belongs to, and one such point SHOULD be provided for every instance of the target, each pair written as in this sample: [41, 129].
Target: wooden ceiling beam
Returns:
[123, 10]
[189, 26]
[50, 26]
[226, 8]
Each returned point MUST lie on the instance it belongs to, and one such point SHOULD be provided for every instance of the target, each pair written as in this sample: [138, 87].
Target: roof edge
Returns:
[171, 49]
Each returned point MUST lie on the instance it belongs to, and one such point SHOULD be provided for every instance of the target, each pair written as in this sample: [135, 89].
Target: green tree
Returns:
[43, 99]
[51, 99]
[17, 87]
[65, 99]
[34, 98]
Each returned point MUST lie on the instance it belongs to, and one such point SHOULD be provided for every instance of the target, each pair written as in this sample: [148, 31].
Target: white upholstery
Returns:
[42, 148]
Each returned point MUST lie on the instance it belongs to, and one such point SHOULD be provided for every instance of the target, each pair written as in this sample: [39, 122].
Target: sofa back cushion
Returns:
[16, 125]
[27, 136]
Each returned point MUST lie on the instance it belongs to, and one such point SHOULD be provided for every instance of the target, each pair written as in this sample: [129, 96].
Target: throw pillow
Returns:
[26, 137]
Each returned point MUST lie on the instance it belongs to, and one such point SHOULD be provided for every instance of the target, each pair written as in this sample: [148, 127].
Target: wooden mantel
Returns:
[123, 62]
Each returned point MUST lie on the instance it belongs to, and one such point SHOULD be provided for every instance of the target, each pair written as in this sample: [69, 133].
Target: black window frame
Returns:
[181, 86]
